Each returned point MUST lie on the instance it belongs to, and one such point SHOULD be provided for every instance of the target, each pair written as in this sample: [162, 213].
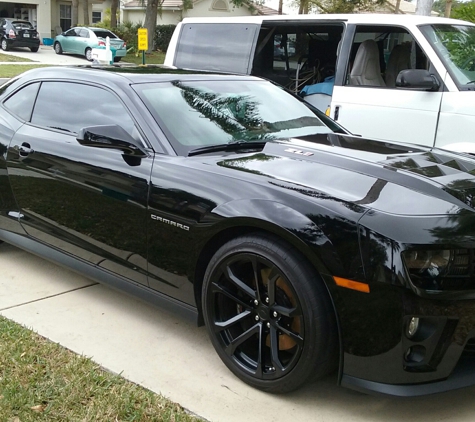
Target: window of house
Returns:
[220, 5]
[96, 17]
[65, 16]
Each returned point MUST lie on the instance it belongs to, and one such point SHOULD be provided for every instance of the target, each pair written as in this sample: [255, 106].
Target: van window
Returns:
[378, 54]
[297, 55]
[455, 45]
[199, 47]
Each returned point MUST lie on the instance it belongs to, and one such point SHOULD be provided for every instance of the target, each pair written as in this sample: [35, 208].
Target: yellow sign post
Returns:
[143, 42]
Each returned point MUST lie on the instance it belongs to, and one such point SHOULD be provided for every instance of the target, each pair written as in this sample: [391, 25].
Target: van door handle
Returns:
[337, 113]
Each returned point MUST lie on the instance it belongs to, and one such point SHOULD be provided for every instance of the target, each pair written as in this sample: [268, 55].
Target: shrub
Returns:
[163, 34]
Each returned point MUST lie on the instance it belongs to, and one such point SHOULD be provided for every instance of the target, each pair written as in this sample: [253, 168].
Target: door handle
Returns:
[25, 149]
[337, 113]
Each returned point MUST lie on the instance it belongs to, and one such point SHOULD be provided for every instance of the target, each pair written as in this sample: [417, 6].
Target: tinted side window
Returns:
[71, 106]
[224, 47]
[21, 103]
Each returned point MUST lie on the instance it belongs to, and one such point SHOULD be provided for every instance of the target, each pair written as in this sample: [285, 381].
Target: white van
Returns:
[350, 66]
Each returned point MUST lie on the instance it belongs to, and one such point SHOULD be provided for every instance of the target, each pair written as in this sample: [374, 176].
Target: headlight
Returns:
[440, 269]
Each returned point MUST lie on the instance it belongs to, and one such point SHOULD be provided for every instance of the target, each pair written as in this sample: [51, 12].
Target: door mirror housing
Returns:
[418, 79]
[111, 136]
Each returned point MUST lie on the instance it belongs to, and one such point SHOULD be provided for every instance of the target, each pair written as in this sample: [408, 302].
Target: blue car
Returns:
[82, 40]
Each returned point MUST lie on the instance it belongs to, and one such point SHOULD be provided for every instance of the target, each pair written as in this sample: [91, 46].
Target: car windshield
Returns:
[22, 25]
[204, 113]
[104, 34]
[455, 45]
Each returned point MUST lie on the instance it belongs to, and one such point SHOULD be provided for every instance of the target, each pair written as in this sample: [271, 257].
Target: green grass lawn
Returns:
[11, 70]
[42, 381]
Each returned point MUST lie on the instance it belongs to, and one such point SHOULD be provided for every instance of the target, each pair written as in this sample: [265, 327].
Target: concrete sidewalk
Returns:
[171, 356]
[45, 55]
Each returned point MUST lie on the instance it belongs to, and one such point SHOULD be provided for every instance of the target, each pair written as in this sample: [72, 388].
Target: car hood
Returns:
[395, 178]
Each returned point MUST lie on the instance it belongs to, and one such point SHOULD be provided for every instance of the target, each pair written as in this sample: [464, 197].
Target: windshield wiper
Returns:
[231, 146]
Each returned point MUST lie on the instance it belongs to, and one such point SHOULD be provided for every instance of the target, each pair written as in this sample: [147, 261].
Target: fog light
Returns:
[412, 327]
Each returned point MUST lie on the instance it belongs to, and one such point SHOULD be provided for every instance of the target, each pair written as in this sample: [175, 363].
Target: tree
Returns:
[464, 11]
[424, 7]
[114, 7]
[337, 6]
[153, 8]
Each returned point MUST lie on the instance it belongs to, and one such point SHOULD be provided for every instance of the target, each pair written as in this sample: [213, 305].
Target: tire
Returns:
[88, 54]
[4, 45]
[117, 59]
[57, 48]
[275, 337]
[34, 49]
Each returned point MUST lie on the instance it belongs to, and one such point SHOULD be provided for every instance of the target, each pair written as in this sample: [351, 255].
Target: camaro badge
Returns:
[299, 152]
[169, 222]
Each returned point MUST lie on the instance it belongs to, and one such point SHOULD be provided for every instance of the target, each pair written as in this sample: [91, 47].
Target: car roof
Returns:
[363, 18]
[120, 74]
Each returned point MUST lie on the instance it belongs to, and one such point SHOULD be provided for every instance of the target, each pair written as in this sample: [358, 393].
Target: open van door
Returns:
[366, 97]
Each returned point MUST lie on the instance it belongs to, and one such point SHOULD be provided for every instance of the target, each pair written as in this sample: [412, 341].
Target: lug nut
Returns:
[275, 314]
[256, 302]
[256, 317]
[267, 300]
[268, 325]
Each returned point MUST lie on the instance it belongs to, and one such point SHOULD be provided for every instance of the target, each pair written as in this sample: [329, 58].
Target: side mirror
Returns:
[418, 79]
[111, 136]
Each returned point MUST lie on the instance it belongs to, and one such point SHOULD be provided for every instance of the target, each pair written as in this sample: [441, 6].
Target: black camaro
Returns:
[302, 248]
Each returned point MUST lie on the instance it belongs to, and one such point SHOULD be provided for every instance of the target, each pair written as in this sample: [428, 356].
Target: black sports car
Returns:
[302, 248]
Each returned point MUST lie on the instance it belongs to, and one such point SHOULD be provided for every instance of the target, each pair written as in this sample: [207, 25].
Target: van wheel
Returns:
[268, 314]
[34, 49]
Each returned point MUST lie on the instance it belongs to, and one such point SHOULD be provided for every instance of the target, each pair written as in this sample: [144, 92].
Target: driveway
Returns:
[171, 356]
[45, 55]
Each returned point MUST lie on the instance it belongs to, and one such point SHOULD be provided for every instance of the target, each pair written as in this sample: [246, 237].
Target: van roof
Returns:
[362, 18]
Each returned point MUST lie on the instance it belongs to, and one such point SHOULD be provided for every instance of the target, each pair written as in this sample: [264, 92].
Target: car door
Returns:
[69, 43]
[374, 107]
[88, 202]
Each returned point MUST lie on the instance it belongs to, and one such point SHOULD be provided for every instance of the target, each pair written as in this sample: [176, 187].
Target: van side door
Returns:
[365, 98]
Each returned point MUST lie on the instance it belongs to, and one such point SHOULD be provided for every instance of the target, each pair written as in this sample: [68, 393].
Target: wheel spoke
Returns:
[231, 348]
[274, 352]
[257, 275]
[260, 352]
[216, 288]
[271, 283]
[238, 283]
[288, 312]
[223, 325]
[294, 336]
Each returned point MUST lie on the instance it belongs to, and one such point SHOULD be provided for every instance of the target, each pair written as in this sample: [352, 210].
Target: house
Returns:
[173, 11]
[49, 16]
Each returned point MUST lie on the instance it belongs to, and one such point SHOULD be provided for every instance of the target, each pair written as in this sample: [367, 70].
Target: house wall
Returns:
[204, 8]
[43, 16]
[172, 17]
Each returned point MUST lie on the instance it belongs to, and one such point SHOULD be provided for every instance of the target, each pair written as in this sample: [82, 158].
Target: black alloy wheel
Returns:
[268, 314]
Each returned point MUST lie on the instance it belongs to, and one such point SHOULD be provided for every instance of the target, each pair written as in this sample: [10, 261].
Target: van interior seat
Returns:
[366, 68]
[399, 59]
